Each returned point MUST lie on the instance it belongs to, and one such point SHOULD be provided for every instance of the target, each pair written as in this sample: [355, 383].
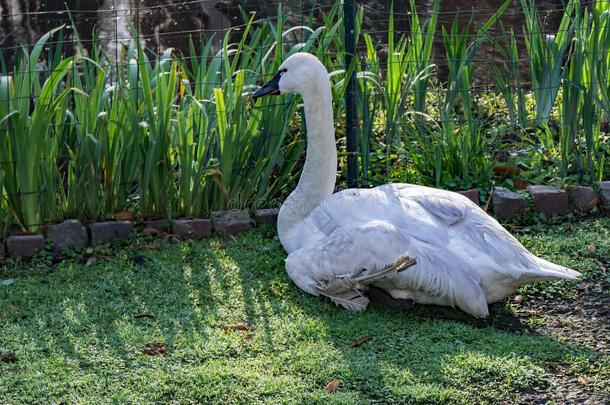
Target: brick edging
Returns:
[505, 204]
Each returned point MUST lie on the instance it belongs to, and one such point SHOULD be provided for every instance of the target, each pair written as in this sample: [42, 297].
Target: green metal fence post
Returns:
[349, 15]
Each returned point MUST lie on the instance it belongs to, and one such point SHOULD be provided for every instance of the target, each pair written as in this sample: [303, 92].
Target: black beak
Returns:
[269, 88]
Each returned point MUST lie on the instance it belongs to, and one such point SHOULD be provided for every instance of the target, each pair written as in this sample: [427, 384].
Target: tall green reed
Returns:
[546, 56]
[421, 41]
[582, 107]
[31, 110]
[461, 153]
[508, 80]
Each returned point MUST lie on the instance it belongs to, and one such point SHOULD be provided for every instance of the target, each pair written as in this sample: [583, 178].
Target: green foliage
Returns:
[28, 136]
[177, 135]
[546, 55]
[507, 78]
[585, 80]
[160, 137]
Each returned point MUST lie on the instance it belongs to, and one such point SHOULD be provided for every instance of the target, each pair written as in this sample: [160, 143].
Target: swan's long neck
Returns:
[318, 175]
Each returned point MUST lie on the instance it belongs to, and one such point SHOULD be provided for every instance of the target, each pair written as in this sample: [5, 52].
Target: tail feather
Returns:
[549, 271]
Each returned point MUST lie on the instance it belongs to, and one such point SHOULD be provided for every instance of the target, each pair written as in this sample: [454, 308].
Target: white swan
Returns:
[338, 243]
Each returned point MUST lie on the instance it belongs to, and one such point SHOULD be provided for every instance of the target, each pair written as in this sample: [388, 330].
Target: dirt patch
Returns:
[584, 321]
[8, 357]
[155, 348]
[563, 388]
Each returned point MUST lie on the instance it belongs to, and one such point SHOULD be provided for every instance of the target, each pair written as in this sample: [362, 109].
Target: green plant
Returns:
[421, 41]
[580, 110]
[177, 135]
[28, 138]
[463, 145]
[507, 79]
[546, 55]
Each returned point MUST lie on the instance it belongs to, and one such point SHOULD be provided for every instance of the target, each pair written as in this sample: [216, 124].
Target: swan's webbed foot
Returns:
[379, 295]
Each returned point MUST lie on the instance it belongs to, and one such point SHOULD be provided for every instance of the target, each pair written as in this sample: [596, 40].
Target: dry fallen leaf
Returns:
[8, 357]
[517, 300]
[155, 348]
[144, 315]
[583, 380]
[147, 246]
[361, 340]
[123, 216]
[236, 326]
[506, 170]
[332, 386]
[152, 231]
[514, 228]
[8, 311]
[591, 248]
[521, 184]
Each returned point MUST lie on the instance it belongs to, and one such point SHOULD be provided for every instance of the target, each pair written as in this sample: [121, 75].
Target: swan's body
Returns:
[465, 258]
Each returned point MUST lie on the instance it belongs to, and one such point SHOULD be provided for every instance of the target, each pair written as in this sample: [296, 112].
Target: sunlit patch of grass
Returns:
[79, 333]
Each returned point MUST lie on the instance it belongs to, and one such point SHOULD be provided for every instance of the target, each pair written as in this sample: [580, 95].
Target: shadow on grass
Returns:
[184, 293]
[109, 306]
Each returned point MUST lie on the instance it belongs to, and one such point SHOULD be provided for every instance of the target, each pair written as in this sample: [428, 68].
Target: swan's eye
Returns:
[283, 71]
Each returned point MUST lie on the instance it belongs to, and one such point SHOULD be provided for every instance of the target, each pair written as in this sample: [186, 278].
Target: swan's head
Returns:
[300, 73]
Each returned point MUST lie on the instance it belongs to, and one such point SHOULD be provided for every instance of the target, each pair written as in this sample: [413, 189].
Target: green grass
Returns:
[78, 331]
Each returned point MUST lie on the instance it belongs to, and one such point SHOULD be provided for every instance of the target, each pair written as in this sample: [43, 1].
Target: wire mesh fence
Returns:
[145, 105]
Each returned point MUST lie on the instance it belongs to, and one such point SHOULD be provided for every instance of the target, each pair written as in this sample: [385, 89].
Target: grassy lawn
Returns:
[219, 321]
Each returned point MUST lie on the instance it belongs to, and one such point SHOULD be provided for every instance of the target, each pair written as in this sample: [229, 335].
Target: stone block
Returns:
[604, 193]
[24, 245]
[550, 201]
[583, 198]
[194, 228]
[266, 216]
[231, 222]
[508, 204]
[472, 195]
[67, 235]
[104, 232]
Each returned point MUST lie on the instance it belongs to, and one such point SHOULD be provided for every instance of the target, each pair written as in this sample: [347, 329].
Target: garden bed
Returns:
[161, 134]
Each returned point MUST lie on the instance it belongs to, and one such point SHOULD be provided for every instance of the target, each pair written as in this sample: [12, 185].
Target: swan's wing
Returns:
[468, 228]
[445, 208]
[440, 277]
[347, 252]
[477, 237]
